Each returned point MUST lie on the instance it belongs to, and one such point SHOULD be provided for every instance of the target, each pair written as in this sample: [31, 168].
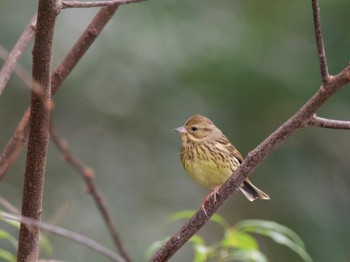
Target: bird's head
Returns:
[198, 129]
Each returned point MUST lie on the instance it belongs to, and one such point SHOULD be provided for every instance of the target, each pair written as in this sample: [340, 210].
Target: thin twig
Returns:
[319, 41]
[16, 53]
[11, 208]
[328, 123]
[65, 233]
[88, 175]
[79, 4]
[15, 144]
[26, 78]
[254, 158]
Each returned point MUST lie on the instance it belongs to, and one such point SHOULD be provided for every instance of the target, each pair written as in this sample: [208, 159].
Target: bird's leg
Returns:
[211, 194]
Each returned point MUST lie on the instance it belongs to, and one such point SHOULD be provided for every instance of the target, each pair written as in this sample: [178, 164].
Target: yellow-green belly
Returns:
[207, 173]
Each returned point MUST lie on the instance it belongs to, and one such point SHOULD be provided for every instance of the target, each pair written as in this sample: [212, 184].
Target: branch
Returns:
[328, 123]
[255, 157]
[79, 49]
[32, 223]
[319, 41]
[16, 52]
[88, 175]
[28, 243]
[78, 4]
[15, 144]
[34, 86]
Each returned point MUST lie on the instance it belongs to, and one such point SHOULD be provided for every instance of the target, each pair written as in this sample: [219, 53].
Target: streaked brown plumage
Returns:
[209, 157]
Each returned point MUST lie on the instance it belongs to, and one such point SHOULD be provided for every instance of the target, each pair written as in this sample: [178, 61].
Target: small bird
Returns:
[210, 159]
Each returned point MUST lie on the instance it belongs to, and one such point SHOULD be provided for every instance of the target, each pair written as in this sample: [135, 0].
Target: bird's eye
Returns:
[194, 128]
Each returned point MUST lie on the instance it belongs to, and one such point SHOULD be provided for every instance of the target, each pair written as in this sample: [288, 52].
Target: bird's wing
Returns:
[232, 150]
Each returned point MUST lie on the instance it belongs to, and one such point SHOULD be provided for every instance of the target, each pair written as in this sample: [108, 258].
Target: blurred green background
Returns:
[246, 64]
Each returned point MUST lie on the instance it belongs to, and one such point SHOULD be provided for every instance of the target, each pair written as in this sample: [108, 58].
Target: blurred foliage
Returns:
[237, 243]
[246, 64]
[7, 238]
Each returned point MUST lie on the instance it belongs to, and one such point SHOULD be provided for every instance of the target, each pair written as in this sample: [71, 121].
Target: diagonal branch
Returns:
[319, 41]
[79, 4]
[88, 175]
[328, 123]
[16, 52]
[15, 144]
[255, 157]
[65, 233]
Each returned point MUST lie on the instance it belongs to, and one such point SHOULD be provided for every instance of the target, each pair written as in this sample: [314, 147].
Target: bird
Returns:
[210, 159]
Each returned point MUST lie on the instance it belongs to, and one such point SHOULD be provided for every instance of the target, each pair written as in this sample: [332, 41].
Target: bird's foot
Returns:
[212, 194]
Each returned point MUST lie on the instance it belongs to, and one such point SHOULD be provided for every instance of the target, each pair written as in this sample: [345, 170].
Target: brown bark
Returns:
[28, 247]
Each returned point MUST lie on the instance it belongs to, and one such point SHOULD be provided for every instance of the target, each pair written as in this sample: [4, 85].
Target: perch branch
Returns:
[328, 123]
[32, 223]
[88, 175]
[34, 174]
[319, 41]
[254, 158]
[79, 4]
[301, 118]
[16, 52]
[15, 144]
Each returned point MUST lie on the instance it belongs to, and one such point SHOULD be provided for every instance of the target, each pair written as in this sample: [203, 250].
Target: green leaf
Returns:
[236, 239]
[280, 234]
[186, 214]
[13, 223]
[248, 256]
[7, 236]
[7, 256]
[201, 252]
[154, 247]
[180, 215]
[45, 244]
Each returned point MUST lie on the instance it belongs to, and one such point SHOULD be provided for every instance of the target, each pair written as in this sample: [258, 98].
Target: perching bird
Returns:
[210, 159]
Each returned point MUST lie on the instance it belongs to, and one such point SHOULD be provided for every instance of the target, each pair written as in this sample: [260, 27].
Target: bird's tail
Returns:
[252, 192]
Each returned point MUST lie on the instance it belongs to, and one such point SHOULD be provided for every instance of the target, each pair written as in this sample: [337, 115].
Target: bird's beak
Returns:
[180, 130]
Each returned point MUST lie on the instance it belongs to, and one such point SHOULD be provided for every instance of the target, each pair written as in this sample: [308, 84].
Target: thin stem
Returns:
[26, 78]
[16, 53]
[33, 223]
[14, 146]
[328, 123]
[28, 243]
[79, 4]
[88, 175]
[319, 41]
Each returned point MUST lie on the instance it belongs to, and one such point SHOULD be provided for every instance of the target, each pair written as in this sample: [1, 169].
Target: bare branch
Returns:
[11, 208]
[88, 175]
[27, 79]
[328, 123]
[255, 157]
[16, 52]
[79, 49]
[15, 144]
[79, 4]
[319, 41]
[33, 223]
[28, 243]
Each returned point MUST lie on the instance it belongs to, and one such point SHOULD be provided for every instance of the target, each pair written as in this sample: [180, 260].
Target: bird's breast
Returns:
[203, 167]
